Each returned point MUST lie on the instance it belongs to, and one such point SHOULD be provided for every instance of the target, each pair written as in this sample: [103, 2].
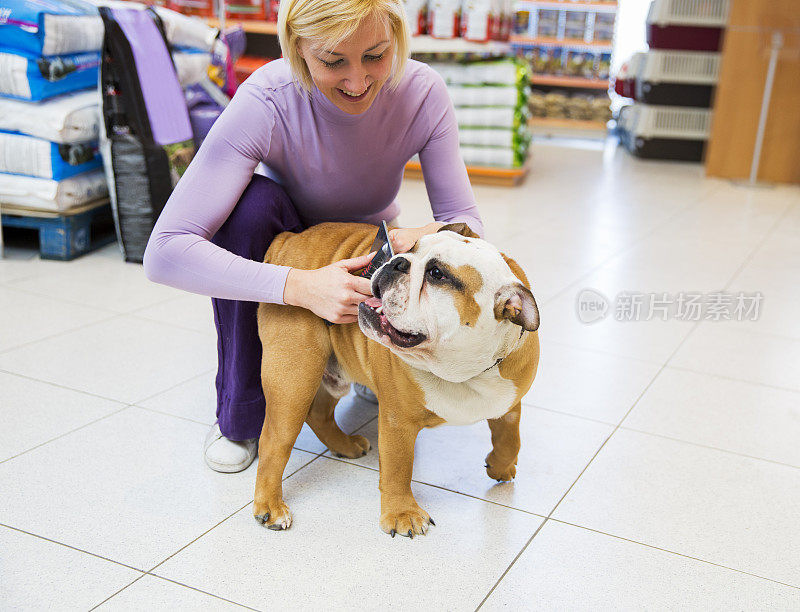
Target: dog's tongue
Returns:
[373, 302]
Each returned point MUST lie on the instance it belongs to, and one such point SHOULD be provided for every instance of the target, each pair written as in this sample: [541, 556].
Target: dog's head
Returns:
[452, 305]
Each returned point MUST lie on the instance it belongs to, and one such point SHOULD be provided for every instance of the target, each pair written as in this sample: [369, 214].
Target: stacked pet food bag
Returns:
[49, 120]
[489, 94]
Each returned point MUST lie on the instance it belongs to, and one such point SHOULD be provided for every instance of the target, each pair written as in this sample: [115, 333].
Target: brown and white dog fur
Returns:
[453, 345]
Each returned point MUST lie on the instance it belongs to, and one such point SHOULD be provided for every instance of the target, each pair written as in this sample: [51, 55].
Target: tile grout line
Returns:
[209, 333]
[622, 251]
[75, 548]
[66, 433]
[64, 387]
[672, 552]
[250, 501]
[650, 433]
[111, 317]
[175, 386]
[586, 467]
[739, 380]
[182, 548]
[230, 601]
[60, 300]
[116, 593]
[714, 448]
[768, 233]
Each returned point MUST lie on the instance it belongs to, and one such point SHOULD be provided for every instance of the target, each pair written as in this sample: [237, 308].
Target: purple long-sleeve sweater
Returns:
[334, 166]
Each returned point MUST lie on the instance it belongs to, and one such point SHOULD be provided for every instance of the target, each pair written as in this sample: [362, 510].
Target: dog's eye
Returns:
[436, 273]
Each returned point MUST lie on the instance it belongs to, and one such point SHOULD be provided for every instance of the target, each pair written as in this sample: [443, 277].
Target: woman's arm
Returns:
[179, 252]
[446, 180]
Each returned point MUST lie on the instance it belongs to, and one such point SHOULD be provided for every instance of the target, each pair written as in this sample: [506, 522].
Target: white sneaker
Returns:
[223, 455]
[365, 393]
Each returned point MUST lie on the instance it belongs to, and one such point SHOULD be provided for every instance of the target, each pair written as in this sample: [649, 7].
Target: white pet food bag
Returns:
[65, 119]
[46, 194]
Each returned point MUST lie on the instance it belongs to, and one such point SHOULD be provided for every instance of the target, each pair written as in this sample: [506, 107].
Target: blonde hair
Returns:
[330, 22]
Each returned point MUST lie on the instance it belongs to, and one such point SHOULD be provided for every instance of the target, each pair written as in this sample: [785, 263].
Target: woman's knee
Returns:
[263, 211]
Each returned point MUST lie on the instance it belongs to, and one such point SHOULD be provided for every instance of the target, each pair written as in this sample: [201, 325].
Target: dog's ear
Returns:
[516, 303]
[459, 228]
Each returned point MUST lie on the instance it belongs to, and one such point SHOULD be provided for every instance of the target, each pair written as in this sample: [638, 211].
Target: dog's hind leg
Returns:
[501, 463]
[289, 338]
[320, 419]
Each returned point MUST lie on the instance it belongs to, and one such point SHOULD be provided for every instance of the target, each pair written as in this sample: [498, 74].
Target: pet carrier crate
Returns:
[625, 81]
[691, 25]
[665, 132]
[677, 78]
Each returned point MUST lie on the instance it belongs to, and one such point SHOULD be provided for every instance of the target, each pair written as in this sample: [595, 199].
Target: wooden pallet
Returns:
[479, 175]
[65, 235]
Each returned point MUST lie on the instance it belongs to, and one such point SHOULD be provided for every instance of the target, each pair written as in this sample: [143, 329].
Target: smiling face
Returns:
[451, 306]
[352, 73]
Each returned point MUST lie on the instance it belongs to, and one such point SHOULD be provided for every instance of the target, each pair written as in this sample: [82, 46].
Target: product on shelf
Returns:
[477, 20]
[603, 27]
[522, 22]
[501, 72]
[547, 23]
[416, 16]
[665, 132]
[31, 156]
[561, 105]
[495, 137]
[673, 78]
[30, 77]
[247, 9]
[444, 18]
[65, 119]
[575, 25]
[486, 95]
[148, 140]
[558, 61]
[47, 194]
[678, 78]
[492, 156]
[692, 25]
[490, 108]
[45, 28]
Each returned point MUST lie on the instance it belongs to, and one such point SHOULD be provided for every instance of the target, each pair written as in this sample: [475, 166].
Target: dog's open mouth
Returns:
[372, 311]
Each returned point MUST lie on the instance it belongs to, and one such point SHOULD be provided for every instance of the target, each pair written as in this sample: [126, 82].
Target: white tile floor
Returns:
[659, 469]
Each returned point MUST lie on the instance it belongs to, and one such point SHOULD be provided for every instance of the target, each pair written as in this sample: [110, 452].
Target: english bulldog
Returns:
[448, 338]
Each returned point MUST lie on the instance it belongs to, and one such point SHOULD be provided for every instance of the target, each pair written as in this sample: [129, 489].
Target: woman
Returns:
[333, 125]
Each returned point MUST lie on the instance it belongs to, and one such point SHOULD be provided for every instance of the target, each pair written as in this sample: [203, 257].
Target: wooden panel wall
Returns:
[737, 104]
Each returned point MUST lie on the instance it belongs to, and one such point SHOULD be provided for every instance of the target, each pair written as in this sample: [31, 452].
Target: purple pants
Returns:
[263, 212]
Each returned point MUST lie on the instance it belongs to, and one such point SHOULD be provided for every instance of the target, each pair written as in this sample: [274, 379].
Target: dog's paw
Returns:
[356, 446]
[274, 516]
[406, 523]
[501, 473]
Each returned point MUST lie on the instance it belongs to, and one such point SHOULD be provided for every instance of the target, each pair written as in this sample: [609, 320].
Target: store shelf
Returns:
[252, 26]
[556, 42]
[598, 7]
[428, 44]
[567, 81]
[479, 175]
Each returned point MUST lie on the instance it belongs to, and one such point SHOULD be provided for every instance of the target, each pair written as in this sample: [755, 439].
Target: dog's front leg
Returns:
[400, 512]
[287, 408]
[501, 463]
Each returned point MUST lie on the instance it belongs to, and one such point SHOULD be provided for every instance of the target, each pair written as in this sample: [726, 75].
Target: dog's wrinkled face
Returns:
[451, 306]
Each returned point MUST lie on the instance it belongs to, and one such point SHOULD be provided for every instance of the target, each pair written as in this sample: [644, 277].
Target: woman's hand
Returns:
[330, 292]
[403, 239]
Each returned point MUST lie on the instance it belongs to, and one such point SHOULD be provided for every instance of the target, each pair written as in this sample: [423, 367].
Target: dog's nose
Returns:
[401, 264]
